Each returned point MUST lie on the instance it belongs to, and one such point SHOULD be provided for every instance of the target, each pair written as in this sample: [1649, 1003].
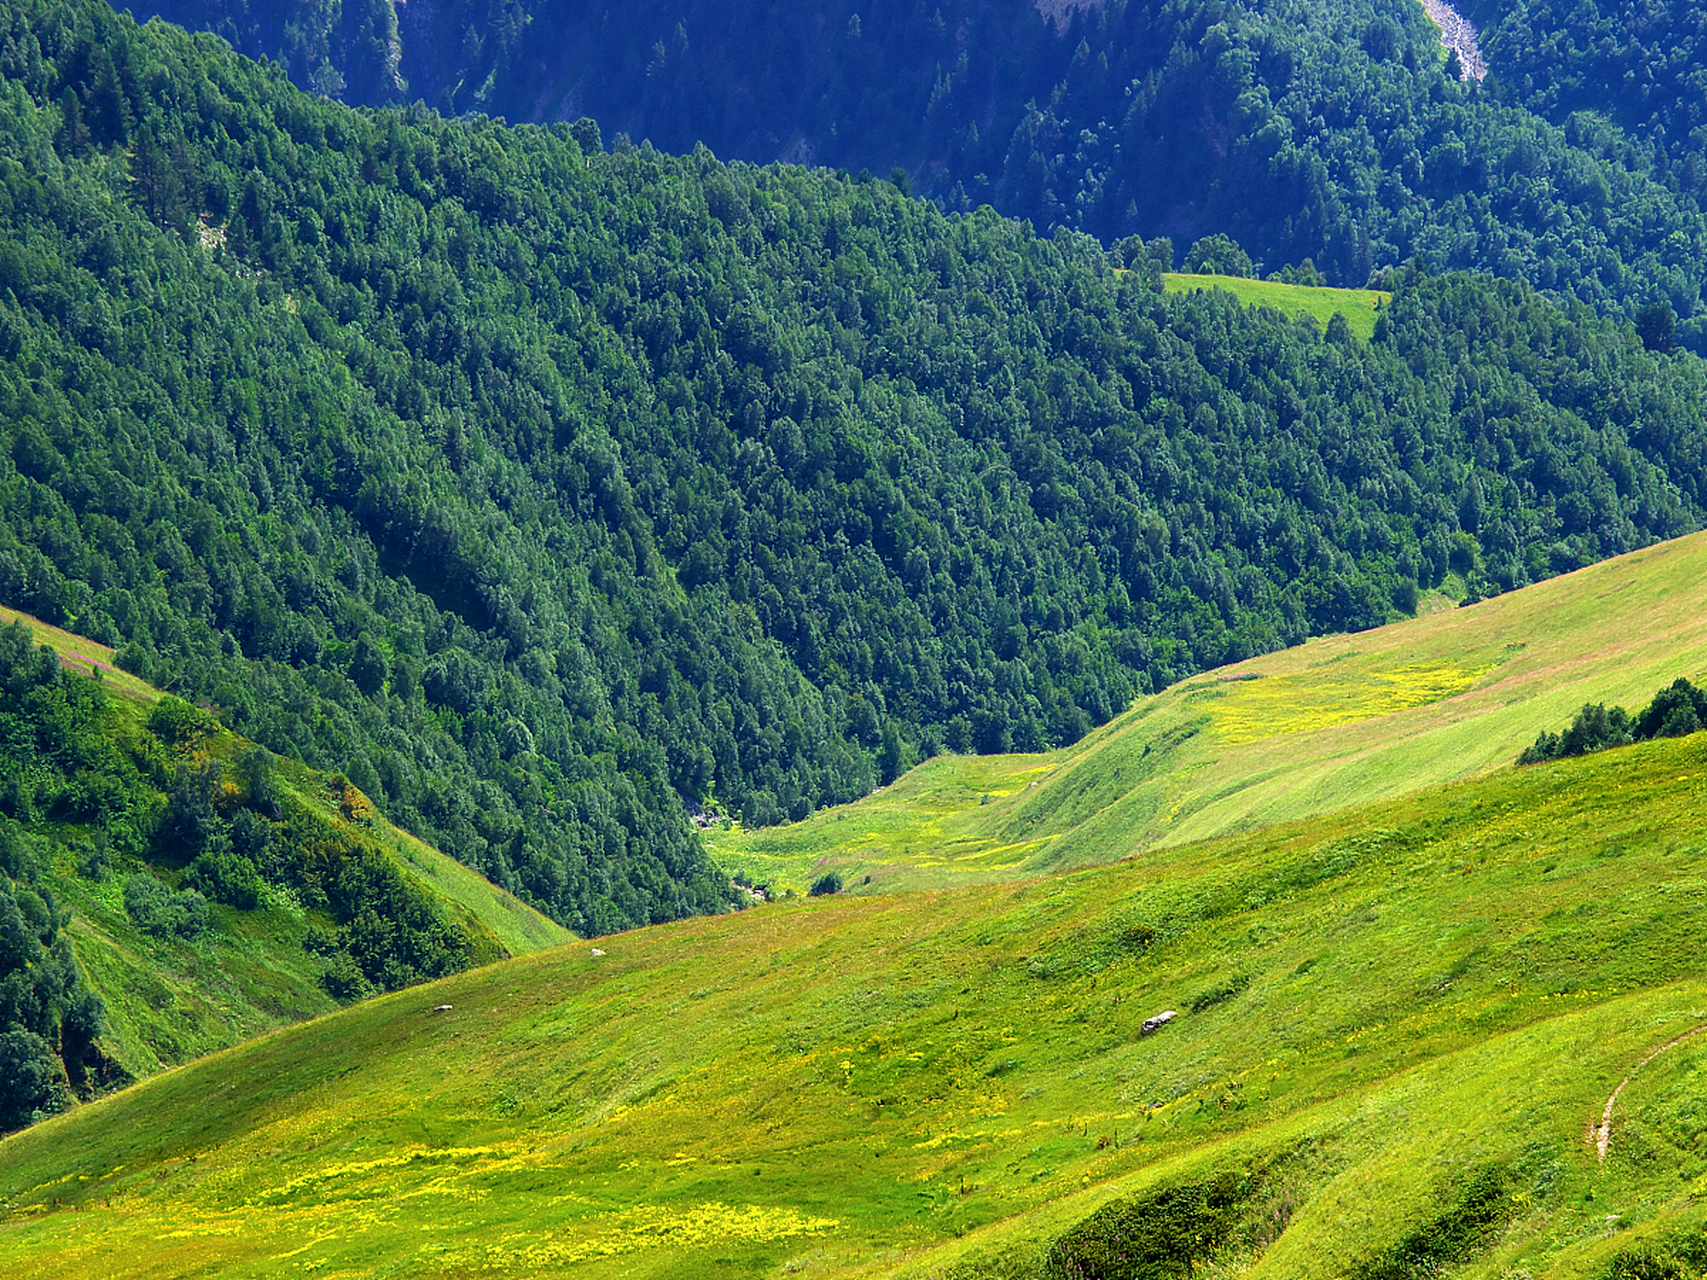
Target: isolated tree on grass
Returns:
[1218, 255]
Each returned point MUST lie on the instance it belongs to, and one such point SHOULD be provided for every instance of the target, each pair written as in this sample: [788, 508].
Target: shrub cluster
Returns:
[153, 796]
[157, 910]
[1158, 1236]
[49, 1018]
[1675, 712]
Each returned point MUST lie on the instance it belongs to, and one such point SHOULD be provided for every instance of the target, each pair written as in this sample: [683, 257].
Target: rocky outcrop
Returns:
[1459, 35]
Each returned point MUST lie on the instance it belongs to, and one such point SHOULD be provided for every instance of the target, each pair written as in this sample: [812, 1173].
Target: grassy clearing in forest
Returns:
[1358, 306]
[924, 819]
[1382, 1014]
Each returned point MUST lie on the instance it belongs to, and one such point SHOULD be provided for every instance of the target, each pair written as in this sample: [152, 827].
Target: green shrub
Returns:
[1153, 1237]
[20, 946]
[31, 1080]
[1218, 255]
[1216, 995]
[176, 722]
[1449, 1239]
[1675, 712]
[192, 819]
[225, 877]
[1683, 1258]
[254, 775]
[828, 883]
[344, 979]
[157, 910]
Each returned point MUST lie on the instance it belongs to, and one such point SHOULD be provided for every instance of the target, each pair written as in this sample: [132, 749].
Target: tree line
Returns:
[1676, 711]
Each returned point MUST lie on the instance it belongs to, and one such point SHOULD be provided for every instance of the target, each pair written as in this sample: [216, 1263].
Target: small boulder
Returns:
[1158, 1022]
[597, 952]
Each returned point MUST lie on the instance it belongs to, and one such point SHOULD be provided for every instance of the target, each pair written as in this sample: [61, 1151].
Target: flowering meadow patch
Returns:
[629, 1231]
[1275, 706]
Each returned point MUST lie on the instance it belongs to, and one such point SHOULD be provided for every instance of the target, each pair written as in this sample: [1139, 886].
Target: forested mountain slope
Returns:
[550, 493]
[167, 889]
[1328, 129]
[1644, 67]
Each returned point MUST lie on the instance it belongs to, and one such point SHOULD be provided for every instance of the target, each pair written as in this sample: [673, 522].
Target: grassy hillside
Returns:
[169, 994]
[1396, 1027]
[511, 921]
[1358, 306]
[1337, 721]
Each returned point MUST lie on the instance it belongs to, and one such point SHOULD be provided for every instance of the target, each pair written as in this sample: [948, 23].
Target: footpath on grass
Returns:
[1600, 1135]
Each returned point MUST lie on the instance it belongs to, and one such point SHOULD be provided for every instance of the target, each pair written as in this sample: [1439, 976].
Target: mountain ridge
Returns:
[1355, 147]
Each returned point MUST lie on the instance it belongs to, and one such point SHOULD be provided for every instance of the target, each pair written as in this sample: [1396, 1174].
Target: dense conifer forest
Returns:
[1334, 130]
[555, 494]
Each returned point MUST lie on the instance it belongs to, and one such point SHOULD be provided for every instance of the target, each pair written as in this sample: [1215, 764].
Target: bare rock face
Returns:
[1060, 12]
[1459, 35]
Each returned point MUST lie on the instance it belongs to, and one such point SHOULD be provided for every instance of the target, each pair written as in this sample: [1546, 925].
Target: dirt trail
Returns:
[1600, 1135]
[1458, 35]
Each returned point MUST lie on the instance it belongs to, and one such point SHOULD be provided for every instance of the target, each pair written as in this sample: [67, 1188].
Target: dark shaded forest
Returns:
[1333, 130]
[553, 494]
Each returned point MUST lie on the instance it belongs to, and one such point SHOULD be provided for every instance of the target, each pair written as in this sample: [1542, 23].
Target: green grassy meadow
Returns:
[1407, 978]
[1337, 721]
[1382, 1014]
[1358, 306]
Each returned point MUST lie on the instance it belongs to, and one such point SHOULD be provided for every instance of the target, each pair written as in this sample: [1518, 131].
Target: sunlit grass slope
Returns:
[1334, 722]
[1358, 306]
[84, 656]
[1396, 1028]
[167, 999]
